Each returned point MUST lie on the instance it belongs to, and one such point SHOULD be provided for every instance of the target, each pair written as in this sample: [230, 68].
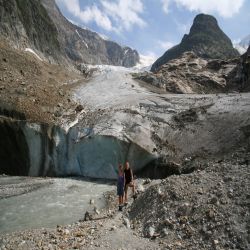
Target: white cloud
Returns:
[89, 14]
[147, 59]
[115, 16]
[125, 12]
[225, 8]
[165, 5]
[93, 13]
[166, 44]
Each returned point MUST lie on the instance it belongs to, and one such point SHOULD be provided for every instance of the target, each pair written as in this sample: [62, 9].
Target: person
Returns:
[120, 186]
[129, 181]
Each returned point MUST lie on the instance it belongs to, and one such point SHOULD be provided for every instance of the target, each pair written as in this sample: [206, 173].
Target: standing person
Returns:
[129, 181]
[120, 186]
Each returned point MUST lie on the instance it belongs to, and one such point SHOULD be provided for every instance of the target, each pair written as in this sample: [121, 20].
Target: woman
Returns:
[129, 181]
[120, 186]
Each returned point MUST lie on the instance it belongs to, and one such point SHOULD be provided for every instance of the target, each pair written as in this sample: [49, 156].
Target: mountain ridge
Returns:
[205, 38]
[39, 24]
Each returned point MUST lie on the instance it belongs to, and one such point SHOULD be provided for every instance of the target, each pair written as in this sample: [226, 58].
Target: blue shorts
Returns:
[120, 189]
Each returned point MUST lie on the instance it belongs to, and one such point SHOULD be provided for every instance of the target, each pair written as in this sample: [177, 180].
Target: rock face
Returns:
[246, 70]
[192, 74]
[240, 76]
[206, 39]
[85, 46]
[40, 25]
[26, 23]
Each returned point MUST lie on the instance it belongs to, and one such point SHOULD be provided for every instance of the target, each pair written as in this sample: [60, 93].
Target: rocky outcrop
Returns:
[206, 39]
[245, 64]
[193, 74]
[240, 76]
[40, 25]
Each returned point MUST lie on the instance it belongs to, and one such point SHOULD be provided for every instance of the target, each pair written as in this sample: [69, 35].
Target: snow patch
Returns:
[33, 52]
[78, 34]
[85, 44]
[242, 45]
[240, 49]
[82, 39]
[126, 51]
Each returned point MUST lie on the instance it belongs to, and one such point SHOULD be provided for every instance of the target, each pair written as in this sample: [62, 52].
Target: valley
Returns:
[75, 104]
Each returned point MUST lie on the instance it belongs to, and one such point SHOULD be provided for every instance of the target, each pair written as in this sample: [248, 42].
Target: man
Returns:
[129, 181]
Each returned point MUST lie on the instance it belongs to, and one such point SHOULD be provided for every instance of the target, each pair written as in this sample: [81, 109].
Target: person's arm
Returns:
[132, 177]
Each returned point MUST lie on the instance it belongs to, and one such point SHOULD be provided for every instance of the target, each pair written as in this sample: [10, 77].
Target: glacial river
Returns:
[48, 202]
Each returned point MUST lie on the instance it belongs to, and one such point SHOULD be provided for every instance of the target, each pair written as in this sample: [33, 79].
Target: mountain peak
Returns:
[205, 39]
[204, 18]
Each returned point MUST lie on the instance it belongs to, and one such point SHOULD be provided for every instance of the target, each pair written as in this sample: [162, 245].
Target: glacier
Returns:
[125, 120]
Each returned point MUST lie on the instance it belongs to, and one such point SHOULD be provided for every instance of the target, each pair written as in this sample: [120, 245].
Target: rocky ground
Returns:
[206, 209]
[39, 90]
[192, 74]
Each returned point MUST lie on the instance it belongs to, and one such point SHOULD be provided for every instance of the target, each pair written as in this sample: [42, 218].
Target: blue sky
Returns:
[153, 26]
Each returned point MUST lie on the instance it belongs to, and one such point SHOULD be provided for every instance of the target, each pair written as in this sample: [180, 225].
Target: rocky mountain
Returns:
[39, 24]
[206, 39]
[26, 23]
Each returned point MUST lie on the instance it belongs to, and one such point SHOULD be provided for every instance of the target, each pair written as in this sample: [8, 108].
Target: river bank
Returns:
[205, 209]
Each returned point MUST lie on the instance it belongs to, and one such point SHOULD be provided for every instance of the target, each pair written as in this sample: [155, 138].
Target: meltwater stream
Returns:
[27, 203]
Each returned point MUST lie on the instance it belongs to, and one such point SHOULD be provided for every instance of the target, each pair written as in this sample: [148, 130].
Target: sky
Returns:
[153, 26]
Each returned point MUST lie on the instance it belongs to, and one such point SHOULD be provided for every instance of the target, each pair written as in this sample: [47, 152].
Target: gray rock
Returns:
[192, 74]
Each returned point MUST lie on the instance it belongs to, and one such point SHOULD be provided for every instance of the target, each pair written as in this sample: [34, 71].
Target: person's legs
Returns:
[120, 200]
[132, 185]
[126, 193]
